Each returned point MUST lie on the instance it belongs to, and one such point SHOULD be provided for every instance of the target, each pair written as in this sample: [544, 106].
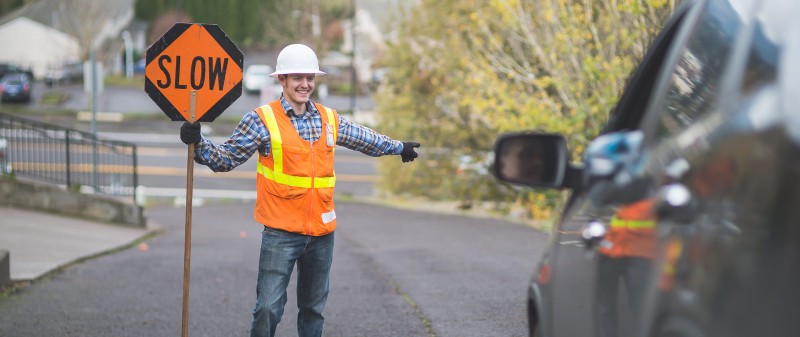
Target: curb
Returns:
[5, 269]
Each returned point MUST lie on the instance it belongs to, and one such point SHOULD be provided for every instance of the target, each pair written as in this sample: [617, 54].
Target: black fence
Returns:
[75, 159]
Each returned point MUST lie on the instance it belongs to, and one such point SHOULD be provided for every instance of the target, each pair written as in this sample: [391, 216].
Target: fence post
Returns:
[135, 176]
[67, 160]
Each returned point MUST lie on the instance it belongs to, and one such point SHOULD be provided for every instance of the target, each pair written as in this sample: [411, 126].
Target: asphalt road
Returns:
[395, 273]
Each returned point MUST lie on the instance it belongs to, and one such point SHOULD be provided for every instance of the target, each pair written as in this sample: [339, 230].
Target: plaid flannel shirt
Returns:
[251, 135]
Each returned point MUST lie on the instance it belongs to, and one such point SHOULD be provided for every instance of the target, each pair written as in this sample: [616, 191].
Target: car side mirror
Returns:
[609, 155]
[611, 161]
[536, 160]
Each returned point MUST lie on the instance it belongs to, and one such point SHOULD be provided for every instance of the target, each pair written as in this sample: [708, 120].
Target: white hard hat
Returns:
[297, 59]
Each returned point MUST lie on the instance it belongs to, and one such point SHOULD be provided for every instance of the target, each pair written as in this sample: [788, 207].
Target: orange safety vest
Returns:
[295, 181]
[632, 232]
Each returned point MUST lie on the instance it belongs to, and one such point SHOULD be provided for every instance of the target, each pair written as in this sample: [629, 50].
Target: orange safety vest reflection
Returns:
[632, 232]
[295, 181]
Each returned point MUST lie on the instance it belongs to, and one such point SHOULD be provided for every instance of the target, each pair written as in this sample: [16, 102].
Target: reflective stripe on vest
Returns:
[334, 123]
[633, 224]
[277, 157]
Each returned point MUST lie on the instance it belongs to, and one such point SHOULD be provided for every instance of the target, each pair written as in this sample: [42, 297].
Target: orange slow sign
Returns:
[193, 57]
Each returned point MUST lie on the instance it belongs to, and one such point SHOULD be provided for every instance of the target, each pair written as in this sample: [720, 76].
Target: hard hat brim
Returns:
[295, 71]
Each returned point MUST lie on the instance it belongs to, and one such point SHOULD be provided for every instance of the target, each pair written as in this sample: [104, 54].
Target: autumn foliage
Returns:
[464, 71]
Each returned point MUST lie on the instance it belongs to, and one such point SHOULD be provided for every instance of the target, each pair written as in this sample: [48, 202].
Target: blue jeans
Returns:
[280, 251]
[634, 273]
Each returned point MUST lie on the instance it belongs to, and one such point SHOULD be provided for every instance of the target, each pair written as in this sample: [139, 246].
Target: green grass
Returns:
[341, 88]
[13, 287]
[122, 81]
[53, 97]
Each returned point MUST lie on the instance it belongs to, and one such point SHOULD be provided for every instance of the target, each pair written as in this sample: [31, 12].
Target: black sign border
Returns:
[167, 39]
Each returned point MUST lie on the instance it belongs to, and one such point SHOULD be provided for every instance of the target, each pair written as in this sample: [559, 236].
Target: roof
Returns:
[46, 11]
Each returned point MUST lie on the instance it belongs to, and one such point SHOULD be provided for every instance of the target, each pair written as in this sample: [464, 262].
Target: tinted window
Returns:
[695, 79]
[762, 58]
[15, 78]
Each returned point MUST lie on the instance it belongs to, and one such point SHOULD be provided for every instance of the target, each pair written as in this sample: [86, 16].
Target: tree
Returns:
[256, 23]
[282, 22]
[463, 72]
[85, 20]
[573, 55]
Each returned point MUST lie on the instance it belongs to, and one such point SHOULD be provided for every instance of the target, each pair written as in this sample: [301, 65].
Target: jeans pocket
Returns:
[273, 235]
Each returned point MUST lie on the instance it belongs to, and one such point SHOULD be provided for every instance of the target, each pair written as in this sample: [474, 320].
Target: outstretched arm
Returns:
[247, 138]
[360, 138]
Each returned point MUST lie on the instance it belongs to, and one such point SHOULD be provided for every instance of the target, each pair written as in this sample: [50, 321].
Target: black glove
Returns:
[408, 153]
[190, 133]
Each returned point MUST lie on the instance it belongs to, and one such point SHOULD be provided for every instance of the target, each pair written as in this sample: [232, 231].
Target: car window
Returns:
[15, 78]
[628, 113]
[763, 55]
[695, 79]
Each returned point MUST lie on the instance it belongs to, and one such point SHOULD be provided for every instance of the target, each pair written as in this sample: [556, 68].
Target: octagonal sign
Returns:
[193, 57]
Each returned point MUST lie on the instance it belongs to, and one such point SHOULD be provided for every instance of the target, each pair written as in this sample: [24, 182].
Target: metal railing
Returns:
[76, 159]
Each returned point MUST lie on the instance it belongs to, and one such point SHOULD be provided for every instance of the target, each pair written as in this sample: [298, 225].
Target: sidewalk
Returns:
[39, 243]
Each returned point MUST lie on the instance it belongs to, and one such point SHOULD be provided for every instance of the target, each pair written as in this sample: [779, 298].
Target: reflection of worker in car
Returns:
[626, 253]
[523, 161]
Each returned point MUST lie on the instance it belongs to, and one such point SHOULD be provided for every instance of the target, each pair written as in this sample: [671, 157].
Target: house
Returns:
[45, 34]
[33, 45]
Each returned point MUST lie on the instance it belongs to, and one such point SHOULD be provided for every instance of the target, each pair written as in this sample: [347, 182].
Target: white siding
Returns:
[28, 43]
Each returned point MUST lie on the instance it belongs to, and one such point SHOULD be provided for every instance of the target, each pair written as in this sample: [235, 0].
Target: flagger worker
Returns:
[295, 139]
[626, 254]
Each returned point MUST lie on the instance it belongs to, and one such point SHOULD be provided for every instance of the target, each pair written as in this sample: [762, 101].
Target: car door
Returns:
[601, 282]
[687, 106]
[565, 281]
[729, 262]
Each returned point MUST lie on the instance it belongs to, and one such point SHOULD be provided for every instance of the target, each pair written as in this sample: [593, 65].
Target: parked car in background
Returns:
[68, 73]
[139, 66]
[683, 219]
[9, 68]
[5, 68]
[256, 76]
[15, 87]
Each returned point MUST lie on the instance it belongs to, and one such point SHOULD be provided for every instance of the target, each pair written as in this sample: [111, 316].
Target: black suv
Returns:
[684, 218]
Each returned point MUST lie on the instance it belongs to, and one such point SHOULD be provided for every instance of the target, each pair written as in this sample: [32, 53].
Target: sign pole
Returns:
[187, 246]
[196, 60]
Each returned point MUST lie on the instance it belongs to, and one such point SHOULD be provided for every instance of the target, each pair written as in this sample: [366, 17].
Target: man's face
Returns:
[523, 162]
[297, 88]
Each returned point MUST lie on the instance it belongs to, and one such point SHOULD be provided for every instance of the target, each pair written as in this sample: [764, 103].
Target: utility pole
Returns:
[353, 79]
[93, 73]
[316, 26]
[126, 37]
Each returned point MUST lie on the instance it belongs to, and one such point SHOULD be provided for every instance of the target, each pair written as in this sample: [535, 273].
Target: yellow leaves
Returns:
[580, 86]
[544, 81]
[463, 67]
[631, 6]
[474, 16]
[500, 4]
[659, 3]
[473, 81]
[640, 7]
[548, 15]
[540, 212]
[504, 9]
